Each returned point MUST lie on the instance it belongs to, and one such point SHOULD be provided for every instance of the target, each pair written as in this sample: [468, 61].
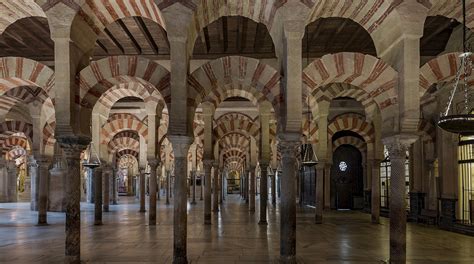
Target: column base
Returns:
[448, 213]
[207, 222]
[375, 220]
[98, 223]
[193, 202]
[180, 260]
[264, 223]
[367, 201]
[142, 211]
[72, 260]
[287, 259]
[42, 224]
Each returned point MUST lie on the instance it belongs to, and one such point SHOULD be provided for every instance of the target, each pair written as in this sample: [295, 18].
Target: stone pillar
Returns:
[263, 193]
[318, 217]
[219, 185]
[416, 195]
[114, 187]
[181, 146]
[106, 181]
[153, 184]
[448, 169]
[247, 186]
[327, 187]
[158, 182]
[142, 195]
[3, 180]
[90, 186]
[288, 147]
[12, 178]
[168, 183]
[202, 188]
[273, 179]
[252, 190]
[33, 173]
[98, 195]
[215, 201]
[375, 190]
[207, 190]
[72, 147]
[43, 167]
[397, 147]
[57, 183]
[193, 179]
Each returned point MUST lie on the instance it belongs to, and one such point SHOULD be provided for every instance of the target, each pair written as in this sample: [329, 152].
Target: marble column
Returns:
[193, 179]
[114, 187]
[98, 195]
[90, 185]
[72, 147]
[43, 175]
[202, 189]
[33, 173]
[273, 179]
[142, 184]
[106, 183]
[327, 187]
[181, 146]
[12, 178]
[219, 185]
[375, 190]
[158, 182]
[247, 186]
[252, 190]
[168, 183]
[154, 163]
[215, 191]
[397, 147]
[263, 193]
[57, 182]
[288, 147]
[207, 191]
[318, 217]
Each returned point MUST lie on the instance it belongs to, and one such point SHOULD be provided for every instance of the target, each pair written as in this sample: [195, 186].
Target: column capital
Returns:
[181, 144]
[208, 163]
[289, 144]
[398, 145]
[154, 163]
[43, 161]
[264, 164]
[73, 143]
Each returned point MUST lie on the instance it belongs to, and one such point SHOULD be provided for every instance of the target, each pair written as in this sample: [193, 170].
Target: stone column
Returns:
[43, 175]
[193, 179]
[288, 147]
[207, 190]
[318, 217]
[57, 182]
[168, 183]
[98, 195]
[247, 186]
[158, 182]
[273, 179]
[181, 146]
[219, 185]
[153, 184]
[12, 178]
[142, 180]
[90, 185]
[33, 173]
[202, 188]
[448, 170]
[416, 194]
[327, 187]
[72, 147]
[215, 201]
[252, 190]
[263, 193]
[114, 187]
[106, 174]
[375, 190]
[397, 147]
[3, 180]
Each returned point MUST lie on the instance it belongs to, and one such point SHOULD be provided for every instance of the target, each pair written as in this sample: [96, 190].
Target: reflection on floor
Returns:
[234, 237]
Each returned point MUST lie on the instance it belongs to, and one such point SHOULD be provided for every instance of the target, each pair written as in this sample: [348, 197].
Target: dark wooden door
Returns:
[346, 177]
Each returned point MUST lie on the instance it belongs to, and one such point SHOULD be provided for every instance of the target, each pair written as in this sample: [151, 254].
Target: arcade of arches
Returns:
[197, 111]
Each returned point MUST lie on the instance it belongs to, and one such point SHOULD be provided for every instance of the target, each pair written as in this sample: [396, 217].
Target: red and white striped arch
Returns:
[18, 72]
[126, 152]
[15, 128]
[375, 77]
[350, 140]
[368, 14]
[122, 122]
[237, 73]
[234, 140]
[109, 72]
[354, 123]
[127, 161]
[15, 146]
[236, 122]
[207, 11]
[13, 10]
[441, 69]
[98, 14]
[124, 140]
[453, 9]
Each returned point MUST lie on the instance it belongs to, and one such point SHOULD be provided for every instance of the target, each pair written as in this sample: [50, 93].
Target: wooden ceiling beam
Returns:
[225, 33]
[207, 41]
[149, 38]
[114, 40]
[135, 44]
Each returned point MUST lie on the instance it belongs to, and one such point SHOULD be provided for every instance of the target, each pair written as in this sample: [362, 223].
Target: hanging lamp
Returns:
[463, 123]
[92, 160]
[308, 157]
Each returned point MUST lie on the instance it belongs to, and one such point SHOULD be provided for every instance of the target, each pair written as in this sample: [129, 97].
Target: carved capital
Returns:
[181, 145]
[288, 148]
[72, 146]
[154, 163]
[398, 145]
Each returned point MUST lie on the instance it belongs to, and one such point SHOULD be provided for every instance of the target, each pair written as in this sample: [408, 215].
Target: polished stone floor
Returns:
[234, 237]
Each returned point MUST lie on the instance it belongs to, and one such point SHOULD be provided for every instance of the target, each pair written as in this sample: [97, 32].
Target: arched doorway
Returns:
[347, 179]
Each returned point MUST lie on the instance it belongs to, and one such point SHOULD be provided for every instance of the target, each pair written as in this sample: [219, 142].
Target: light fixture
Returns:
[460, 123]
[308, 157]
[92, 160]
